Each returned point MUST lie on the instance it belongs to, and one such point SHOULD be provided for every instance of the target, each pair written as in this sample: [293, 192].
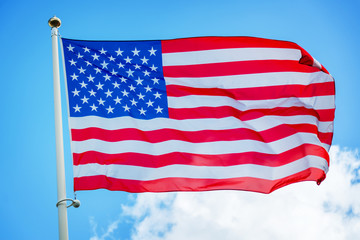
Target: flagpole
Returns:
[55, 23]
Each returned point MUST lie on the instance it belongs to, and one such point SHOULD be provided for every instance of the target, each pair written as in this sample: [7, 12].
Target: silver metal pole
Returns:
[55, 23]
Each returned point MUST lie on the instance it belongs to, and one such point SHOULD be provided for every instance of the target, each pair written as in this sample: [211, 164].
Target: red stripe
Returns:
[162, 135]
[188, 184]
[208, 43]
[236, 68]
[256, 93]
[325, 137]
[145, 160]
[226, 111]
[326, 114]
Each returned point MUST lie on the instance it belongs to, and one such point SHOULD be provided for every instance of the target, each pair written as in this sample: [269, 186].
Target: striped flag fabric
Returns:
[197, 114]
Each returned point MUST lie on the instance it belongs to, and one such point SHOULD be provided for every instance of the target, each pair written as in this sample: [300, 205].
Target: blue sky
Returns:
[328, 30]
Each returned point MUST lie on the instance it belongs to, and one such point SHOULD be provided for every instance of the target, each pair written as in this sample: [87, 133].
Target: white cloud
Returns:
[107, 234]
[298, 211]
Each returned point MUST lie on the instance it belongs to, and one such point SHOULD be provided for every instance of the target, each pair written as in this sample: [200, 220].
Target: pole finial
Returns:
[54, 22]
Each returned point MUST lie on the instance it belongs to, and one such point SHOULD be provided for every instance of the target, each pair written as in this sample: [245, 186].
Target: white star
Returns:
[113, 72]
[70, 48]
[123, 79]
[79, 55]
[108, 93]
[137, 66]
[142, 111]
[144, 60]
[91, 78]
[110, 109]
[98, 70]
[155, 80]
[101, 102]
[133, 102]
[92, 93]
[117, 100]
[107, 77]
[153, 68]
[132, 88]
[95, 57]
[126, 108]
[104, 64]
[127, 59]
[88, 63]
[148, 88]
[136, 52]
[82, 70]
[72, 62]
[157, 95]
[158, 109]
[99, 86]
[111, 58]
[119, 52]
[77, 108]
[149, 103]
[74, 76]
[121, 65]
[116, 85]
[86, 49]
[83, 84]
[141, 97]
[139, 81]
[125, 93]
[102, 51]
[146, 73]
[75, 92]
[84, 99]
[130, 73]
[94, 108]
[152, 51]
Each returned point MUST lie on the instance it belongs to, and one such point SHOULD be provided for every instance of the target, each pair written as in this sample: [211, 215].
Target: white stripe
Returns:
[326, 146]
[200, 172]
[252, 80]
[258, 124]
[317, 64]
[229, 55]
[212, 148]
[193, 101]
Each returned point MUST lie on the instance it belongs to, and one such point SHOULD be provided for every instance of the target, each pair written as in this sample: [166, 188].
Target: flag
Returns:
[197, 114]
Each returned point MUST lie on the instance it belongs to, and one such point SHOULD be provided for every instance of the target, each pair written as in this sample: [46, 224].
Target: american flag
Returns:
[197, 114]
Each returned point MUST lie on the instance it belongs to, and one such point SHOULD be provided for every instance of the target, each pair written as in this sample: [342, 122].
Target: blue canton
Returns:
[115, 79]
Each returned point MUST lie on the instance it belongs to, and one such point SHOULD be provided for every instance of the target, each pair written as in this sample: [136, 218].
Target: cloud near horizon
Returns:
[298, 211]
